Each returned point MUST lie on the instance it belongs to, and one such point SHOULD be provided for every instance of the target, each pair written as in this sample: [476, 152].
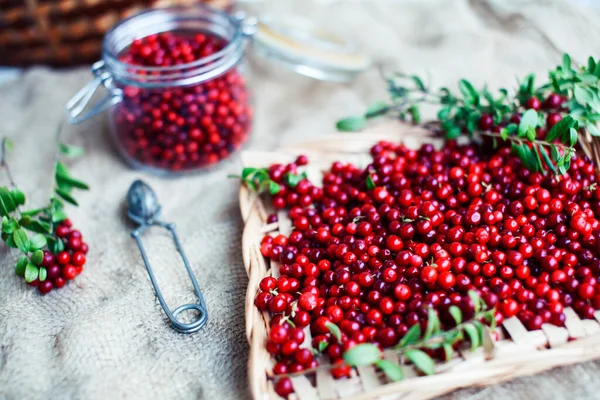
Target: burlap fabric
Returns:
[104, 336]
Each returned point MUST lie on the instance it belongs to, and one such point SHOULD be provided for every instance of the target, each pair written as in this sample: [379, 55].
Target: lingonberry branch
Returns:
[38, 266]
[570, 92]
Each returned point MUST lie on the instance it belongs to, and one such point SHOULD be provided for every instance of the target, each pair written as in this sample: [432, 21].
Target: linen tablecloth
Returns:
[104, 336]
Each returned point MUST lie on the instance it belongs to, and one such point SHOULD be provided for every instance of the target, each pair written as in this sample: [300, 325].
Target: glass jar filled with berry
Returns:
[178, 92]
[178, 97]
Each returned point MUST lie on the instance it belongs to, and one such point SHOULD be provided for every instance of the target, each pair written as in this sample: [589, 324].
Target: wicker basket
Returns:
[66, 32]
[517, 353]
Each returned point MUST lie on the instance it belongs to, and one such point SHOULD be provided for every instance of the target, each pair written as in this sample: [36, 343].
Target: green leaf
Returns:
[58, 216]
[418, 83]
[572, 137]
[18, 197]
[21, 240]
[31, 272]
[71, 182]
[32, 213]
[421, 360]
[334, 330]
[531, 135]
[582, 95]
[322, 346]
[504, 133]
[38, 242]
[412, 336]
[560, 128]
[448, 351]
[468, 91]
[477, 301]
[444, 113]
[7, 200]
[370, 183]
[415, 114]
[294, 179]
[71, 151]
[453, 133]
[37, 257]
[43, 274]
[433, 324]
[362, 354]
[9, 241]
[591, 64]
[66, 197]
[554, 153]
[456, 314]
[7, 143]
[392, 370]
[55, 245]
[539, 166]
[528, 120]
[473, 335]
[20, 267]
[566, 64]
[588, 78]
[547, 159]
[9, 225]
[246, 172]
[376, 109]
[39, 227]
[62, 169]
[351, 124]
[25, 220]
[274, 188]
[592, 128]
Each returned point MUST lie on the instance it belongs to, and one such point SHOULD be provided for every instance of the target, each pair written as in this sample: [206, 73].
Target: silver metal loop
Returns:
[76, 107]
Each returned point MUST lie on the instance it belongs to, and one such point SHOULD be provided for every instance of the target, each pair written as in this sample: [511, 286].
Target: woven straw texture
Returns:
[104, 336]
[66, 32]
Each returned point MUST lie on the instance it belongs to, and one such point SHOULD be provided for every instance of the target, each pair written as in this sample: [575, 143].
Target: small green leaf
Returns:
[362, 354]
[477, 301]
[351, 124]
[448, 351]
[274, 188]
[528, 120]
[531, 135]
[421, 360]
[246, 172]
[71, 182]
[370, 183]
[38, 242]
[294, 179]
[504, 133]
[412, 336]
[376, 109]
[7, 199]
[20, 267]
[392, 370]
[415, 114]
[456, 314]
[32, 213]
[31, 272]
[25, 220]
[554, 153]
[566, 64]
[572, 137]
[71, 151]
[547, 159]
[334, 330]
[468, 91]
[55, 245]
[473, 335]
[322, 346]
[37, 257]
[582, 95]
[18, 197]
[43, 274]
[559, 129]
[453, 133]
[444, 113]
[58, 216]
[21, 240]
[418, 83]
[66, 196]
[591, 64]
[39, 227]
[433, 324]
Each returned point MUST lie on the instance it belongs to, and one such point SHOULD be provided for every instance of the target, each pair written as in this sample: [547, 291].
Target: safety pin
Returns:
[143, 208]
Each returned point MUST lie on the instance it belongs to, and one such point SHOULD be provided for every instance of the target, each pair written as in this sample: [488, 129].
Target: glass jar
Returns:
[177, 88]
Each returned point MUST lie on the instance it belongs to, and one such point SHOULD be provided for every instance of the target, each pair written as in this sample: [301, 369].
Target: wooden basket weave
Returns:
[66, 32]
[516, 353]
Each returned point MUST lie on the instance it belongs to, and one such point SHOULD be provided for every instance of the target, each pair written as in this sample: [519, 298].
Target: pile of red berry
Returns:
[67, 264]
[187, 127]
[374, 249]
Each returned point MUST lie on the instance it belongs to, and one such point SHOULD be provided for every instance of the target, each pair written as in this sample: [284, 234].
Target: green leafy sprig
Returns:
[258, 180]
[41, 222]
[461, 113]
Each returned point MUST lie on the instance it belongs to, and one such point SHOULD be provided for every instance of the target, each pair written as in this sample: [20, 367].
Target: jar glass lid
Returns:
[297, 44]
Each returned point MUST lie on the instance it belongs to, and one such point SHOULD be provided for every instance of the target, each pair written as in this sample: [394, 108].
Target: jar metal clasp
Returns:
[77, 108]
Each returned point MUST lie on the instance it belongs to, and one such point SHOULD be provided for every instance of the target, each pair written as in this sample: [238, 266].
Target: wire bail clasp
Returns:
[76, 107]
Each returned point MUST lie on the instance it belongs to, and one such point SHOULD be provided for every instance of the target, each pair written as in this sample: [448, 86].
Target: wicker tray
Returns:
[516, 353]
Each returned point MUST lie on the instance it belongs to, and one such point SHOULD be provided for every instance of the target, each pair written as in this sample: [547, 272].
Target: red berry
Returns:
[63, 258]
[533, 103]
[69, 272]
[78, 259]
[45, 287]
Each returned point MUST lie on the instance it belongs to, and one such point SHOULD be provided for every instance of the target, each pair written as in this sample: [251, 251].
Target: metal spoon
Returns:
[143, 208]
